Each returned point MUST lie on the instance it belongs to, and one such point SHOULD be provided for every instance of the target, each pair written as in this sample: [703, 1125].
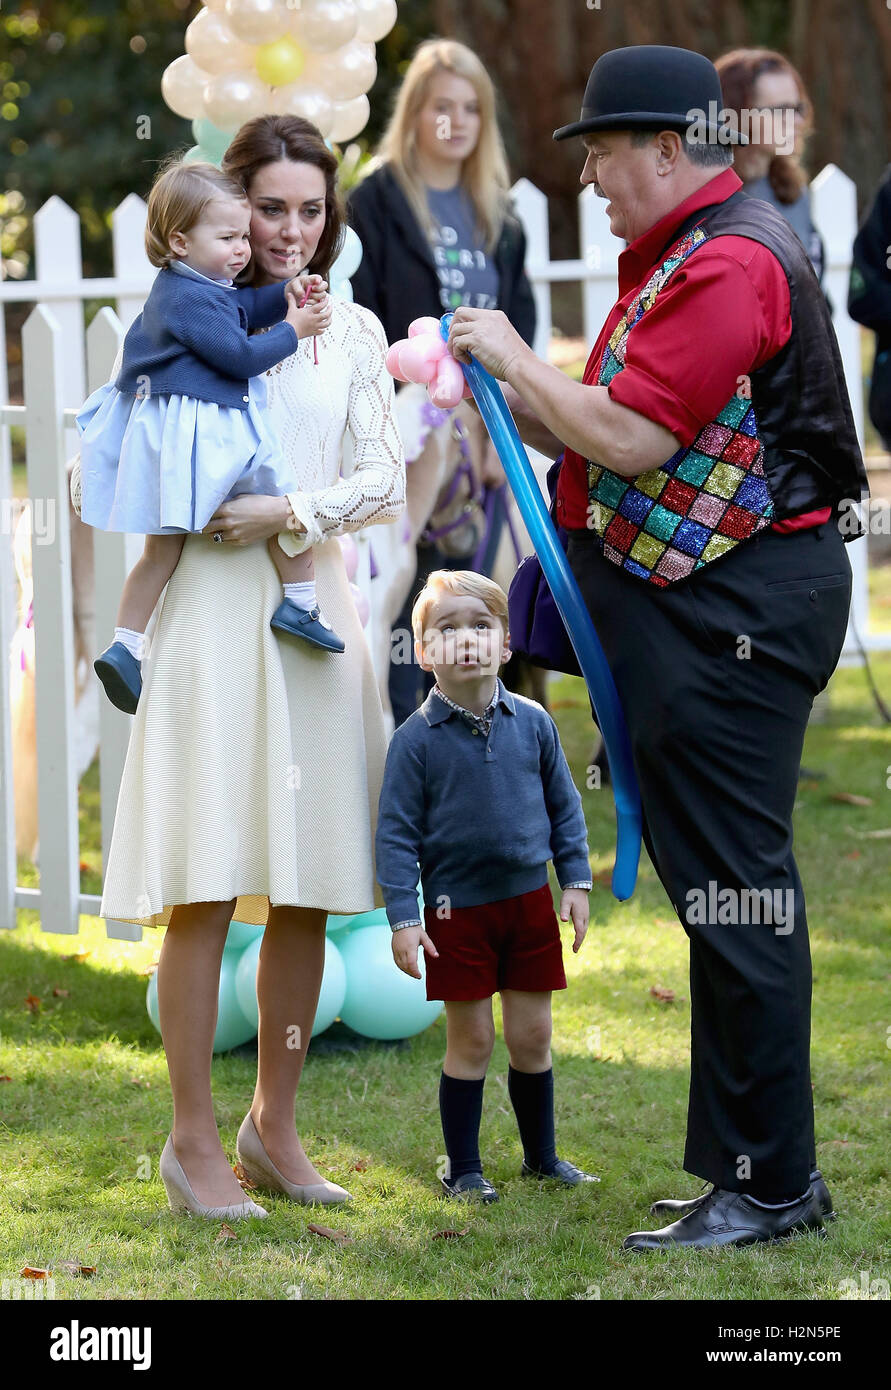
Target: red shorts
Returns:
[510, 944]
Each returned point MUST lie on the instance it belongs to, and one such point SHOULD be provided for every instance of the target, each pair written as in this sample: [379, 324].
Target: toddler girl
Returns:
[182, 428]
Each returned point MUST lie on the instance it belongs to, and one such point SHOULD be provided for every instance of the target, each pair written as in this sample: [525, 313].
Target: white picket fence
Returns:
[63, 364]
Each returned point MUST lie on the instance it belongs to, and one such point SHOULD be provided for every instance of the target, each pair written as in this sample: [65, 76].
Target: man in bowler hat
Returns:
[709, 466]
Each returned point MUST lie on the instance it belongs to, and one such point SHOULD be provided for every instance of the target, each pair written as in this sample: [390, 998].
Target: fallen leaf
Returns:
[30, 1273]
[360, 1166]
[138, 1081]
[84, 867]
[450, 1235]
[243, 1177]
[75, 1268]
[340, 1236]
[852, 799]
[226, 1233]
[604, 878]
[33, 1003]
[78, 955]
[661, 992]
[5, 1078]
[855, 854]
[663, 922]
[61, 993]
[869, 834]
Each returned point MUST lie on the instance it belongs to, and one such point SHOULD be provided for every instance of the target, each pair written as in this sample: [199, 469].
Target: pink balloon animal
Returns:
[423, 357]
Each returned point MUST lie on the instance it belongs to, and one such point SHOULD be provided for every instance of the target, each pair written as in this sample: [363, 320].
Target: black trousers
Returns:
[717, 675]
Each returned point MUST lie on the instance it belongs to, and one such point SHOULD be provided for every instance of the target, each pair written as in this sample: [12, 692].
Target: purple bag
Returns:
[537, 631]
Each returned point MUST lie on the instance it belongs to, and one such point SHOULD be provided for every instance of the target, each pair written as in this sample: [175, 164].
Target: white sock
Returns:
[304, 595]
[133, 641]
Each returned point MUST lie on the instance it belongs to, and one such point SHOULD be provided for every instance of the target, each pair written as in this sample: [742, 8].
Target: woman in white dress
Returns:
[253, 772]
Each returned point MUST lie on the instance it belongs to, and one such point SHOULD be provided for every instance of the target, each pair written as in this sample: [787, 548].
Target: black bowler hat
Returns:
[652, 87]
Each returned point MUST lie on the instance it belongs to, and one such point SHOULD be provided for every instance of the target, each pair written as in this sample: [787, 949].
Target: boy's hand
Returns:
[405, 949]
[574, 903]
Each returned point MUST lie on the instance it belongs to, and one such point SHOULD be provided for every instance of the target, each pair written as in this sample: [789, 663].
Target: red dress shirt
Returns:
[722, 315]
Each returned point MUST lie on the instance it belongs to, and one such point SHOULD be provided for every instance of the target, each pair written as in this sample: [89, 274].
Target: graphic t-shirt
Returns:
[467, 276]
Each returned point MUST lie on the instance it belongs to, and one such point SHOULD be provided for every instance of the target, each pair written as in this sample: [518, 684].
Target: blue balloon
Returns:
[232, 1028]
[586, 644]
[330, 997]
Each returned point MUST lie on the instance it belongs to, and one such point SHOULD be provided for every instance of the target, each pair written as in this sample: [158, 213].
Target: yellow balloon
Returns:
[280, 62]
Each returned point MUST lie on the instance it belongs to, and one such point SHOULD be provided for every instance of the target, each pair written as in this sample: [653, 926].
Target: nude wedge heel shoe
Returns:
[181, 1197]
[260, 1169]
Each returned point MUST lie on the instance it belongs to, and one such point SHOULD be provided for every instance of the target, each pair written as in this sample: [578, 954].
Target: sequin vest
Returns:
[665, 524]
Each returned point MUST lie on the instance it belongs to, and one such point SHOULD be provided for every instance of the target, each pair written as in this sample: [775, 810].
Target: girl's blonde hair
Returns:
[484, 174]
[179, 196]
[457, 582]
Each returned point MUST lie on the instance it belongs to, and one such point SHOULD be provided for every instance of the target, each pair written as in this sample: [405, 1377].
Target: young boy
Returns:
[477, 792]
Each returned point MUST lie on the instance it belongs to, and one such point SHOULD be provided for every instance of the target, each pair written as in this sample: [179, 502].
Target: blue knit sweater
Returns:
[481, 816]
[191, 339]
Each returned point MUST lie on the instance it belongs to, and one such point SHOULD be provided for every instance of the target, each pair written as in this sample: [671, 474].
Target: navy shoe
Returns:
[121, 674]
[470, 1185]
[304, 622]
[563, 1171]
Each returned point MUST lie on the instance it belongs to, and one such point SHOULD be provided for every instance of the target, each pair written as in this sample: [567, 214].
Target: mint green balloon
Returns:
[211, 138]
[233, 1028]
[381, 1000]
[330, 996]
[241, 934]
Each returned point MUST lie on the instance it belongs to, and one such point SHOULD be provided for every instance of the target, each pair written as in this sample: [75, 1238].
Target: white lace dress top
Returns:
[255, 762]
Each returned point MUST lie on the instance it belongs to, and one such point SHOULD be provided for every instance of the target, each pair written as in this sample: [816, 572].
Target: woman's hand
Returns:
[251, 517]
[490, 336]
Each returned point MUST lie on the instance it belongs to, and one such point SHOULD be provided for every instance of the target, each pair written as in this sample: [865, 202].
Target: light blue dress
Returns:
[158, 465]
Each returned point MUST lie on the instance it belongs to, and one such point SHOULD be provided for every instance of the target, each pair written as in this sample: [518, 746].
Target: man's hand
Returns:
[490, 336]
[574, 903]
[405, 949]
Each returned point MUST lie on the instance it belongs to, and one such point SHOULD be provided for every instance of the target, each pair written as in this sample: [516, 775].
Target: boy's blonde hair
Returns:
[457, 582]
[179, 196]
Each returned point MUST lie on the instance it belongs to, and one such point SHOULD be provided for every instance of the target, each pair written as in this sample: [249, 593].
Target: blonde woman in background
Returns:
[438, 231]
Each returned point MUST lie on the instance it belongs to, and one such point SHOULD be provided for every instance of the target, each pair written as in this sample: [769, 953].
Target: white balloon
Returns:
[182, 87]
[214, 47]
[233, 97]
[218, 6]
[345, 74]
[376, 19]
[350, 257]
[297, 99]
[350, 117]
[258, 21]
[324, 25]
[343, 289]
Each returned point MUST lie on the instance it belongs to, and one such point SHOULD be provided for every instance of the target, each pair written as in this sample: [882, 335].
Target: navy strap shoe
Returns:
[470, 1185]
[563, 1171]
[732, 1218]
[121, 674]
[671, 1207]
[304, 622]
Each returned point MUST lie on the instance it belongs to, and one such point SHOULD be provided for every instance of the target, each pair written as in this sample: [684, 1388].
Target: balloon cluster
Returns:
[423, 357]
[247, 58]
[361, 984]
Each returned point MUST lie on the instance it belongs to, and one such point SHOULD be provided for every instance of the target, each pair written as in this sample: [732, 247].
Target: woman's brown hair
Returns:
[739, 71]
[268, 139]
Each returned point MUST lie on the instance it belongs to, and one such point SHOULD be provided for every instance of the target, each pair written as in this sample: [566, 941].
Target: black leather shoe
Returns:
[670, 1207]
[470, 1185]
[563, 1171]
[732, 1218]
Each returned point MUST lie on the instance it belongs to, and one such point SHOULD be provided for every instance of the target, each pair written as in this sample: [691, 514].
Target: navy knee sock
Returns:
[532, 1096]
[460, 1109]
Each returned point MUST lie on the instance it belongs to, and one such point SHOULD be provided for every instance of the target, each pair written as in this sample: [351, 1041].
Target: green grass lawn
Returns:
[86, 1109]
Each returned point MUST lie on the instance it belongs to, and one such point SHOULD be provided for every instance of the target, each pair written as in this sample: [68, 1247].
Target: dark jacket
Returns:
[398, 280]
[191, 339]
[869, 299]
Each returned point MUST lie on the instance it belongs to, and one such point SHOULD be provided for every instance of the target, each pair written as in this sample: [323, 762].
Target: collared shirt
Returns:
[480, 816]
[722, 315]
[480, 721]
[184, 269]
